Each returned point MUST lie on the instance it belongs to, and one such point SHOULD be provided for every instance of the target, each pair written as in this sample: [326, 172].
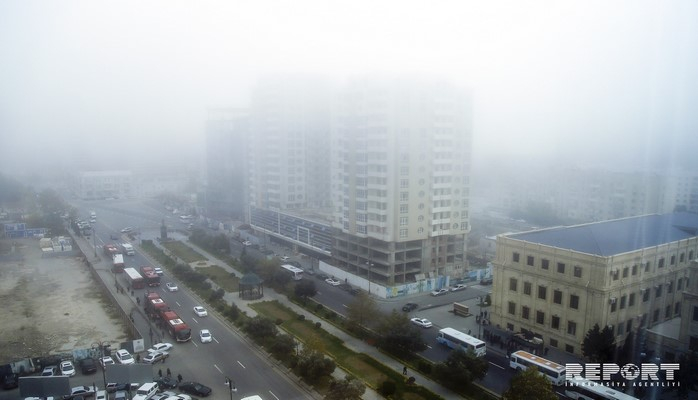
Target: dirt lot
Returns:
[51, 305]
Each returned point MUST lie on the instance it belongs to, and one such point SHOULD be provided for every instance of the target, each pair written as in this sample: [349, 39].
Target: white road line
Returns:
[345, 306]
[216, 367]
[216, 340]
[194, 343]
[429, 347]
[497, 365]
[241, 365]
[177, 303]
[272, 393]
[195, 320]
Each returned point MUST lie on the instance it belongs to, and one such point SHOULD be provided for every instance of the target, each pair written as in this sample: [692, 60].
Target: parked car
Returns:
[458, 287]
[10, 381]
[101, 395]
[333, 282]
[486, 281]
[127, 229]
[205, 336]
[88, 366]
[409, 307]
[321, 276]
[200, 311]
[422, 322]
[166, 382]
[117, 387]
[247, 243]
[124, 357]
[172, 287]
[84, 391]
[439, 292]
[67, 368]
[158, 271]
[285, 258]
[195, 388]
[155, 357]
[160, 347]
[104, 361]
[51, 370]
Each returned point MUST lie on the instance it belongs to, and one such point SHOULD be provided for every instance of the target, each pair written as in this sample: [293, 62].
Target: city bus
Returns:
[295, 272]
[456, 339]
[582, 389]
[521, 360]
[134, 279]
[150, 276]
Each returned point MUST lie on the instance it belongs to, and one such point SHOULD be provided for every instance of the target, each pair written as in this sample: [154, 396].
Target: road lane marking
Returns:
[194, 320]
[194, 343]
[429, 347]
[216, 340]
[272, 393]
[216, 367]
[496, 365]
[243, 367]
[345, 306]
[177, 303]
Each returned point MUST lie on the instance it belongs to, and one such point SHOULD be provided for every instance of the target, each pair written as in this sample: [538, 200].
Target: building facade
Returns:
[401, 154]
[626, 274]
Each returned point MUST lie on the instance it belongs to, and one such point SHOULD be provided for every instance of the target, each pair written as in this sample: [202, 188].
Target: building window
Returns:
[404, 171]
[647, 266]
[553, 342]
[515, 257]
[577, 271]
[571, 328]
[404, 208]
[527, 288]
[623, 300]
[672, 260]
[613, 304]
[629, 325]
[404, 183]
[545, 264]
[667, 311]
[690, 255]
[658, 291]
[645, 295]
[542, 292]
[403, 233]
[403, 221]
[693, 343]
[404, 196]
[555, 322]
[530, 260]
[621, 329]
[512, 308]
[569, 348]
[677, 308]
[631, 300]
[670, 287]
[512, 284]
[625, 272]
[540, 317]
[525, 312]
[561, 268]
[681, 257]
[655, 315]
[660, 264]
[574, 301]
[557, 297]
[695, 313]
[634, 270]
[679, 284]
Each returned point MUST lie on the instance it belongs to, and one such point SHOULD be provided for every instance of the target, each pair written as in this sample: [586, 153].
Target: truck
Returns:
[153, 304]
[177, 328]
[118, 263]
[150, 276]
[127, 248]
[110, 249]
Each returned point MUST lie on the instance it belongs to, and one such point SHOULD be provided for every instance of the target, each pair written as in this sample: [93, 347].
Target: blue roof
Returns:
[617, 236]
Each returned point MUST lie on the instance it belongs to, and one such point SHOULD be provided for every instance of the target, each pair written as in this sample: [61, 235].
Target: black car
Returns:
[10, 381]
[195, 388]
[321, 276]
[486, 281]
[409, 307]
[88, 366]
[166, 382]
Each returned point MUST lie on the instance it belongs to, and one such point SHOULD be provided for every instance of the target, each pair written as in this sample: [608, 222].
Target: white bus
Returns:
[457, 339]
[521, 360]
[296, 273]
[582, 389]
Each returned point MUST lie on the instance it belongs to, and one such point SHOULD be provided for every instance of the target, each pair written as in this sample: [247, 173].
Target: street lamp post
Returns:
[369, 264]
[94, 240]
[231, 385]
[479, 326]
[101, 346]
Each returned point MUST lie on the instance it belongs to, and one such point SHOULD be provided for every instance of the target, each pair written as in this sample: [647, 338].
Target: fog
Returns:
[109, 83]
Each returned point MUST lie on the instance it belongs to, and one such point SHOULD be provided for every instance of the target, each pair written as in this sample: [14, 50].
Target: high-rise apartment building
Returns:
[627, 274]
[401, 152]
[226, 157]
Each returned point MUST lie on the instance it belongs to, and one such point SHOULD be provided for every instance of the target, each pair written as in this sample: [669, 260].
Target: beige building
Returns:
[626, 273]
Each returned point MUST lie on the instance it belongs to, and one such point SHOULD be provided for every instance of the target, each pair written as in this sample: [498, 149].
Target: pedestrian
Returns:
[138, 358]
[469, 332]
[160, 372]
[404, 370]
[179, 378]
[169, 373]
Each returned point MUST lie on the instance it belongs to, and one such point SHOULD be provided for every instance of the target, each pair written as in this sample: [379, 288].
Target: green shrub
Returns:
[424, 366]
[318, 325]
[301, 317]
[387, 388]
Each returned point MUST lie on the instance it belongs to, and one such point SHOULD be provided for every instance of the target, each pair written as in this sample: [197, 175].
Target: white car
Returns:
[333, 282]
[155, 357]
[172, 287]
[84, 391]
[160, 347]
[439, 292]
[422, 322]
[67, 368]
[127, 229]
[458, 287]
[205, 336]
[200, 311]
[247, 243]
[285, 258]
[104, 361]
[158, 271]
[124, 357]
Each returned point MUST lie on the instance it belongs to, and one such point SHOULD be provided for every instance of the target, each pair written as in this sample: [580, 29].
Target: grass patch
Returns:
[222, 278]
[184, 252]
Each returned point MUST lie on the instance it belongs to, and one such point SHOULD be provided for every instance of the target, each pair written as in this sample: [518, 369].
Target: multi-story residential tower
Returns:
[226, 157]
[626, 274]
[401, 154]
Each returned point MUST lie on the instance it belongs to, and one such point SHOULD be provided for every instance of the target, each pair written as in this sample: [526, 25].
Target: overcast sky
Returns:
[613, 82]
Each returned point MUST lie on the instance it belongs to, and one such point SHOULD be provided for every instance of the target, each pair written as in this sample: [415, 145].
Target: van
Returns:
[146, 391]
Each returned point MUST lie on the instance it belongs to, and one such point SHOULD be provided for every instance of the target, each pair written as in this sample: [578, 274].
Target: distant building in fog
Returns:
[401, 153]
[97, 185]
[227, 133]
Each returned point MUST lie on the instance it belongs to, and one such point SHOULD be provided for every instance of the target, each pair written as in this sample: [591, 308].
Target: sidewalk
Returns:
[349, 341]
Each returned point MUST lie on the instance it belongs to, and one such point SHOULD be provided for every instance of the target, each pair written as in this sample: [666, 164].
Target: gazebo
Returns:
[251, 287]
